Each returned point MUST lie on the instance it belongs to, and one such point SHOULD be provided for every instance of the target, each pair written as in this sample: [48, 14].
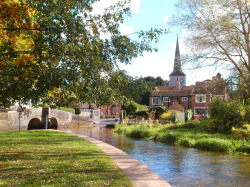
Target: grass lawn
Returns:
[49, 158]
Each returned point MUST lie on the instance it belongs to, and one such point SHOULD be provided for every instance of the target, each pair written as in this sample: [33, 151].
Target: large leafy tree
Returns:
[55, 48]
[218, 33]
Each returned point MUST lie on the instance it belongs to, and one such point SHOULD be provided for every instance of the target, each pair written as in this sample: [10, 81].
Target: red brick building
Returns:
[180, 97]
[108, 110]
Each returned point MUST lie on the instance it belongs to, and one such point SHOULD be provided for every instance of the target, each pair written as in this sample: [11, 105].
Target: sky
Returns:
[148, 14]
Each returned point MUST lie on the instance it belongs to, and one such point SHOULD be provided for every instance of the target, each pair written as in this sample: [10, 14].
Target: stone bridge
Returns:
[36, 119]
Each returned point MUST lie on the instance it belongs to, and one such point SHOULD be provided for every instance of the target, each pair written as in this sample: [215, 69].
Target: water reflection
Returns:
[177, 165]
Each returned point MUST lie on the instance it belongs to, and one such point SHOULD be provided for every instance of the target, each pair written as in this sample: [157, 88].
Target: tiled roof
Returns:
[177, 106]
[214, 87]
[168, 88]
[169, 93]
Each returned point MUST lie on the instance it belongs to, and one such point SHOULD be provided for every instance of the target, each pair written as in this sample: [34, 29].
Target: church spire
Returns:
[177, 75]
[177, 61]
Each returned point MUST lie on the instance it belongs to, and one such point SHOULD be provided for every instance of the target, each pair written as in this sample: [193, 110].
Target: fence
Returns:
[135, 121]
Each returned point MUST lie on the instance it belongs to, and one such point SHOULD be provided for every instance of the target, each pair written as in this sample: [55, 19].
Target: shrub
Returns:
[130, 107]
[225, 116]
[142, 114]
[157, 111]
[168, 116]
[242, 133]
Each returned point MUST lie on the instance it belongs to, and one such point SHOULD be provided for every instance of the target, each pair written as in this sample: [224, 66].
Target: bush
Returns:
[157, 111]
[168, 116]
[130, 107]
[224, 116]
[242, 133]
[142, 114]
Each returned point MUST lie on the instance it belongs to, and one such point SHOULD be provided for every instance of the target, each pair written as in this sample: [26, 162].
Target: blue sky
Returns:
[155, 13]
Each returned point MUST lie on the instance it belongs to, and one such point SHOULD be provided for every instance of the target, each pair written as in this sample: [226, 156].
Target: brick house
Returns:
[114, 110]
[178, 96]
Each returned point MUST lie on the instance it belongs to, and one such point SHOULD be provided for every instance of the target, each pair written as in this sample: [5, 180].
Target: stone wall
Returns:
[9, 121]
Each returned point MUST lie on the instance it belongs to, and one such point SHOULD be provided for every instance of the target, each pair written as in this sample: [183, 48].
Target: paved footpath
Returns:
[139, 174]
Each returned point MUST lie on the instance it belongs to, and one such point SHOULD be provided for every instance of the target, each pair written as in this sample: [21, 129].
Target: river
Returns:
[179, 166]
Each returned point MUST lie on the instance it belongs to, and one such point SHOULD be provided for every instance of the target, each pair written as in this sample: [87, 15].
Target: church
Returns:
[178, 96]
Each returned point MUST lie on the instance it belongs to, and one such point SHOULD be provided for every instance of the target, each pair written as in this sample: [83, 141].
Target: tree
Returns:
[130, 107]
[218, 33]
[55, 47]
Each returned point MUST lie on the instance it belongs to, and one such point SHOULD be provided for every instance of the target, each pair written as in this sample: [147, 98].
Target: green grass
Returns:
[70, 110]
[49, 158]
[188, 135]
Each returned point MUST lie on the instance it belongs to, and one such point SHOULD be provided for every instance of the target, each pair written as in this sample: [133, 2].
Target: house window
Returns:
[113, 111]
[184, 98]
[200, 111]
[156, 101]
[200, 98]
[117, 110]
[175, 100]
[85, 110]
[166, 99]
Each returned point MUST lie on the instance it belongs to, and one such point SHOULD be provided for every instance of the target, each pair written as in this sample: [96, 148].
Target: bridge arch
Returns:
[54, 123]
[35, 123]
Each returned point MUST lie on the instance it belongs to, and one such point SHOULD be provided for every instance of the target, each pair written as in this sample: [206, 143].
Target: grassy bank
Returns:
[37, 158]
[192, 135]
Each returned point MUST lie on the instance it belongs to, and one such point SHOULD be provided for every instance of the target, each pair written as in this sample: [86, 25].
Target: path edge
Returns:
[138, 173]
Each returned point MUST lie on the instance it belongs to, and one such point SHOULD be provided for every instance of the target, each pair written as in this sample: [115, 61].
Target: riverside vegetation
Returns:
[194, 135]
[227, 129]
[49, 158]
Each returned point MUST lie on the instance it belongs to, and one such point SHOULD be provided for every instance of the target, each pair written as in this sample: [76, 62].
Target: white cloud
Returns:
[126, 30]
[99, 6]
[165, 18]
[135, 5]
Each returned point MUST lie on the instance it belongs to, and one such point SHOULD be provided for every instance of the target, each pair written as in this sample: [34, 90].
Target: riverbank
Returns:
[36, 158]
[191, 135]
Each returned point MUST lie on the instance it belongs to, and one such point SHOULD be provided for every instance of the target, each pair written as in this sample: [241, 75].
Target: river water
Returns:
[179, 166]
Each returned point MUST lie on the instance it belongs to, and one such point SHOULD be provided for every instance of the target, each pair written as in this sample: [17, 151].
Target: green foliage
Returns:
[142, 108]
[190, 114]
[130, 107]
[187, 134]
[49, 158]
[157, 111]
[169, 116]
[225, 115]
[213, 144]
[67, 56]
[70, 110]
[242, 133]
[142, 114]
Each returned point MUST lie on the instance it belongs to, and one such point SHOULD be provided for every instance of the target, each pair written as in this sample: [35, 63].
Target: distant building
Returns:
[178, 96]
[110, 110]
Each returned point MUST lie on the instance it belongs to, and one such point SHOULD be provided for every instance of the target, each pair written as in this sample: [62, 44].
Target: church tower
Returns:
[177, 74]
